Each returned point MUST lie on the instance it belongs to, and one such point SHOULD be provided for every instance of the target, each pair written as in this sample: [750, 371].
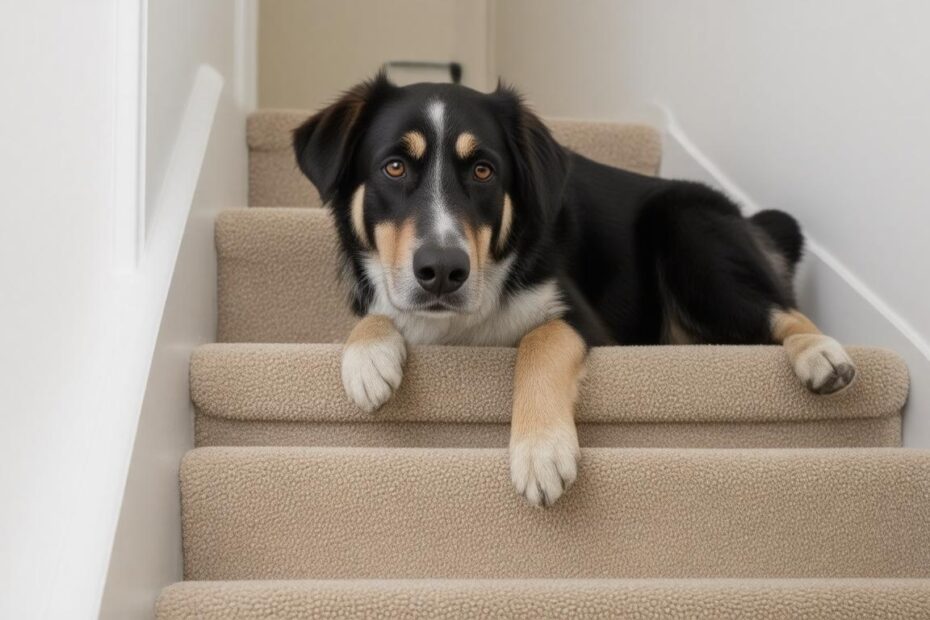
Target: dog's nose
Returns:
[440, 270]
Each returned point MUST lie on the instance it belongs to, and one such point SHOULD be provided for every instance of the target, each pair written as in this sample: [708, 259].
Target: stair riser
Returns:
[276, 181]
[876, 433]
[644, 600]
[278, 277]
[331, 513]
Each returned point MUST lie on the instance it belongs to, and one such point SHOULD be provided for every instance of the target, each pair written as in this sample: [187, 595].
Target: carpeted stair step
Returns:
[772, 599]
[278, 277]
[279, 283]
[693, 396]
[359, 513]
[274, 179]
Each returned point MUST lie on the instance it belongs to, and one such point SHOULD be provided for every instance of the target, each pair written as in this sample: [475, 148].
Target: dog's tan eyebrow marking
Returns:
[506, 223]
[415, 144]
[466, 145]
[358, 215]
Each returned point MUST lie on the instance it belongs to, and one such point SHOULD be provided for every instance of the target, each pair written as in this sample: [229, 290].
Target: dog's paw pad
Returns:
[372, 370]
[543, 467]
[825, 367]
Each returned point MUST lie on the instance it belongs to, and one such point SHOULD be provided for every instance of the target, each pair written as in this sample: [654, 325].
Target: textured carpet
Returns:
[343, 513]
[674, 396]
[768, 599]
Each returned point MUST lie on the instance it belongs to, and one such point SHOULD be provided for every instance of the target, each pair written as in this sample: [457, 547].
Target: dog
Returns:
[463, 222]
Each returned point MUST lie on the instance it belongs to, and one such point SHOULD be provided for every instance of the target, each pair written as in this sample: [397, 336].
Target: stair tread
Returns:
[659, 598]
[301, 382]
[276, 513]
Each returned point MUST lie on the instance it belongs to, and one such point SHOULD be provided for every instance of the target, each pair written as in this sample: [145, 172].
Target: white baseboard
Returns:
[828, 291]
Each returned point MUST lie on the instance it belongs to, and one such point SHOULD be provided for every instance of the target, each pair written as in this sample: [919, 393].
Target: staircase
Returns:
[711, 484]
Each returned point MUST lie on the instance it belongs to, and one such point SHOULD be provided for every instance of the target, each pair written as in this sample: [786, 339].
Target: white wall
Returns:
[311, 50]
[79, 329]
[181, 36]
[54, 267]
[147, 549]
[818, 108]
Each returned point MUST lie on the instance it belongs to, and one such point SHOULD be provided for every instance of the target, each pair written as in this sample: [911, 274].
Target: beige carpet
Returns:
[418, 518]
[673, 396]
[374, 513]
[277, 277]
[768, 599]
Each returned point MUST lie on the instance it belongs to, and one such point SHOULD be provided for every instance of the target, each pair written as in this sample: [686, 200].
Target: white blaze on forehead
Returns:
[437, 114]
[443, 222]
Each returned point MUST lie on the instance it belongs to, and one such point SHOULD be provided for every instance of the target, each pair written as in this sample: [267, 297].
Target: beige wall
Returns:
[310, 50]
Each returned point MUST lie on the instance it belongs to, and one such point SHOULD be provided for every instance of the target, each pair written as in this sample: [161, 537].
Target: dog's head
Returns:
[441, 194]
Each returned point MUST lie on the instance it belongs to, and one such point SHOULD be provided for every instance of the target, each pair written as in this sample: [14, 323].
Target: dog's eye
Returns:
[395, 169]
[483, 172]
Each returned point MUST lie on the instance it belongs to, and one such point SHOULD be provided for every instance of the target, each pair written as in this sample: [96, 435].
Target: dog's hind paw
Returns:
[821, 363]
[543, 466]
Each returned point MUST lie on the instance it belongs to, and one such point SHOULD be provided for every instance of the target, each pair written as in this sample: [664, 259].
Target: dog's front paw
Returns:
[544, 464]
[821, 363]
[373, 368]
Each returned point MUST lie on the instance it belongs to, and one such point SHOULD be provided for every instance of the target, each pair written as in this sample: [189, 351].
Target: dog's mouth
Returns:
[435, 307]
[440, 308]
[426, 305]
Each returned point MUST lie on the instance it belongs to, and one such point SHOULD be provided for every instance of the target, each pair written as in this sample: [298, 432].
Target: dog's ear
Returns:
[325, 144]
[540, 164]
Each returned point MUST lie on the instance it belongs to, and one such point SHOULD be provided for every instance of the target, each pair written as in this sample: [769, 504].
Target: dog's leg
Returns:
[373, 362]
[818, 360]
[543, 440]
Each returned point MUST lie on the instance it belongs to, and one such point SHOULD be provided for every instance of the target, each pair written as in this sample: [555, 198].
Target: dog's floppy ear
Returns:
[325, 144]
[540, 164]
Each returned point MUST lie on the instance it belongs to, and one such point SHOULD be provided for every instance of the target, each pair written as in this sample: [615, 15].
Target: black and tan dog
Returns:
[463, 222]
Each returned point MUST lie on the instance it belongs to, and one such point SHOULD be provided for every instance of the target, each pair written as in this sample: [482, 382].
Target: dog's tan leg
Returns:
[543, 440]
[818, 360]
[373, 362]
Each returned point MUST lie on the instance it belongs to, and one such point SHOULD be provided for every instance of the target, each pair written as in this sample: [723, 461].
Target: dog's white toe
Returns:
[372, 370]
[543, 466]
[824, 366]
